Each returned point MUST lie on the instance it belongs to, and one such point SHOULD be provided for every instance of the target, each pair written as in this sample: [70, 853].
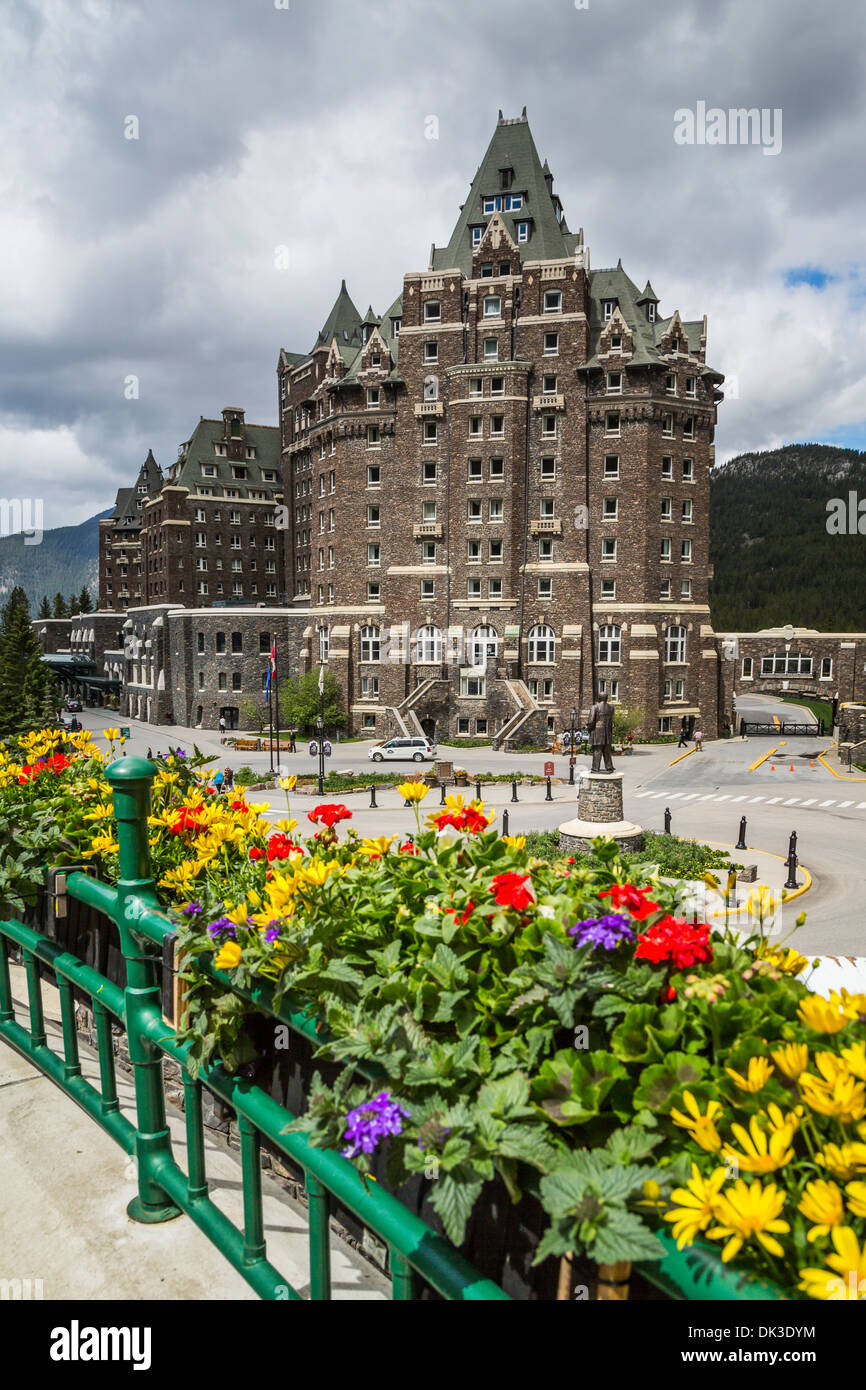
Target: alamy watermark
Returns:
[846, 516]
[739, 125]
[22, 514]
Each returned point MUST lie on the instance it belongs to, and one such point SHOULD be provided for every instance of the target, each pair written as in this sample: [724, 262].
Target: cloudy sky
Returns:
[304, 124]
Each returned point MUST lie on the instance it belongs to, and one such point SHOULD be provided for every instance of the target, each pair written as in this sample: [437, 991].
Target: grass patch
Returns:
[676, 858]
[820, 708]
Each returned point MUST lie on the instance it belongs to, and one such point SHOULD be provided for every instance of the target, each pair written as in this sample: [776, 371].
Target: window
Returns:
[826, 668]
[370, 687]
[610, 508]
[667, 509]
[551, 344]
[428, 588]
[372, 398]
[497, 386]
[374, 553]
[497, 426]
[610, 689]
[432, 311]
[491, 350]
[665, 723]
[373, 437]
[686, 552]
[608, 588]
[688, 470]
[483, 645]
[431, 431]
[522, 232]
[428, 473]
[477, 233]
[475, 386]
[234, 518]
[548, 426]
[687, 512]
[475, 426]
[374, 514]
[373, 590]
[473, 588]
[220, 642]
[496, 509]
[473, 686]
[609, 643]
[671, 384]
[428, 552]
[611, 466]
[463, 726]
[542, 643]
[747, 668]
[614, 383]
[495, 551]
[236, 680]
[611, 422]
[616, 342]
[786, 664]
[548, 469]
[474, 471]
[374, 474]
[492, 307]
[264, 643]
[665, 551]
[675, 644]
[497, 468]
[547, 507]
[330, 559]
[545, 588]
[431, 351]
[553, 301]
[428, 511]
[685, 588]
[691, 386]
[237, 643]
[548, 383]
[473, 552]
[474, 509]
[607, 308]
[371, 643]
[667, 426]
[428, 645]
[494, 588]
[608, 550]
[667, 467]
[200, 641]
[689, 427]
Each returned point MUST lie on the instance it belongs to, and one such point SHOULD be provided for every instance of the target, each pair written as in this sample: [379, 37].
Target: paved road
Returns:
[707, 793]
[764, 708]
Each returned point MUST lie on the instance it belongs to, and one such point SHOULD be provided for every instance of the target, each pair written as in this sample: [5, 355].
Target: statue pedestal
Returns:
[599, 812]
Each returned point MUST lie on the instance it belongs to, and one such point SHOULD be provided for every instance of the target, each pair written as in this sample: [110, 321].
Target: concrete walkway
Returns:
[64, 1186]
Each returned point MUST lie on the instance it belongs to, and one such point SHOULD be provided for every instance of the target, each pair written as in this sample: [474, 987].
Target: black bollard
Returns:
[548, 796]
[373, 806]
[477, 791]
[741, 843]
[514, 790]
[792, 861]
[442, 795]
[571, 773]
[667, 820]
[505, 822]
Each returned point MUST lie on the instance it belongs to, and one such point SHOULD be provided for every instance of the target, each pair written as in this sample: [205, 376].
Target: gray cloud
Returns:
[261, 127]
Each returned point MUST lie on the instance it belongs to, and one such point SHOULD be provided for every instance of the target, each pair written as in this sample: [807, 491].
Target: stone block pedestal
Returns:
[599, 812]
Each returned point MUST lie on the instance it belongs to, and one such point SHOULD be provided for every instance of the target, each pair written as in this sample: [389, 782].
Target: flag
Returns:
[272, 667]
[321, 680]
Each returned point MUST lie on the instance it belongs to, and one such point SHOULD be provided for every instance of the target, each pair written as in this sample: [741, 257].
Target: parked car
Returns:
[74, 706]
[415, 749]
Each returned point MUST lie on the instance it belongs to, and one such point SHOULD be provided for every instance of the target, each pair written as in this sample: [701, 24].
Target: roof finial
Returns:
[501, 117]
[523, 114]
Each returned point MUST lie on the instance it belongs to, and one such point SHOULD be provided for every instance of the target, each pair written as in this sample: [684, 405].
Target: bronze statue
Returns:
[601, 734]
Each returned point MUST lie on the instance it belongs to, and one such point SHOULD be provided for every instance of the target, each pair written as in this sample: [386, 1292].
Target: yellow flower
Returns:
[853, 1004]
[855, 1059]
[856, 1194]
[777, 1121]
[413, 791]
[318, 871]
[237, 914]
[845, 1280]
[763, 1151]
[845, 1097]
[697, 1207]
[843, 1160]
[99, 812]
[831, 1067]
[228, 956]
[378, 847]
[180, 878]
[101, 844]
[288, 784]
[702, 1128]
[287, 826]
[791, 1059]
[516, 842]
[652, 1195]
[745, 1212]
[823, 1015]
[111, 734]
[757, 1076]
[789, 961]
[822, 1203]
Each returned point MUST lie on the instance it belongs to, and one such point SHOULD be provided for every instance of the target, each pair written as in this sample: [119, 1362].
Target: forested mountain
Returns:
[65, 559]
[775, 561]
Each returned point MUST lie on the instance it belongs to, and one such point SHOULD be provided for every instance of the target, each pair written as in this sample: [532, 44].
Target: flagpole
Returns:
[277, 701]
[270, 714]
[321, 723]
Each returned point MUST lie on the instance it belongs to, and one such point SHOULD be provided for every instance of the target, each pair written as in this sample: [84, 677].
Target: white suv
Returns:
[416, 749]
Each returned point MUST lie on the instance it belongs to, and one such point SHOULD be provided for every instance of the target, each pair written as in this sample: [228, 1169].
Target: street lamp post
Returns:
[571, 748]
[320, 726]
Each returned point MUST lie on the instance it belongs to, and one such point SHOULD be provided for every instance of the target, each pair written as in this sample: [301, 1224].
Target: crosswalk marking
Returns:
[754, 799]
[792, 801]
[710, 796]
[860, 805]
[842, 804]
[738, 798]
[691, 796]
[811, 801]
[829, 803]
[726, 797]
[773, 799]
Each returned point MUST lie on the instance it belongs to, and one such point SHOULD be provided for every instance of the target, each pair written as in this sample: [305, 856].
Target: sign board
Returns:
[548, 769]
[124, 732]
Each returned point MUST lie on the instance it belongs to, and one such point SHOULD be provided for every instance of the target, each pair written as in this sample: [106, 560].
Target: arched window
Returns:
[324, 643]
[609, 643]
[542, 643]
[371, 644]
[675, 644]
[483, 644]
[428, 645]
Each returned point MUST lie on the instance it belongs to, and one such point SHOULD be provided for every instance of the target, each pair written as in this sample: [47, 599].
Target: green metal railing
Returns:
[165, 1191]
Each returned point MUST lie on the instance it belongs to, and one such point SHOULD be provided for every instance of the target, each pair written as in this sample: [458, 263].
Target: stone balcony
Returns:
[546, 526]
[428, 531]
[551, 401]
[429, 409]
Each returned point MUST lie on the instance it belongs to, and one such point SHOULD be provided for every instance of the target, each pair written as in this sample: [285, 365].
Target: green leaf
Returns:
[625, 1237]
[454, 1195]
[661, 1084]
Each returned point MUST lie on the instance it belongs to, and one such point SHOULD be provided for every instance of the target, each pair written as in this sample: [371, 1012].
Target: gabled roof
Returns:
[512, 147]
[343, 322]
[200, 449]
[616, 284]
[127, 507]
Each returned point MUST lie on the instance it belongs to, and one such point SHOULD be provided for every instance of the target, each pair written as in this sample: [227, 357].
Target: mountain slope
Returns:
[65, 559]
[775, 561]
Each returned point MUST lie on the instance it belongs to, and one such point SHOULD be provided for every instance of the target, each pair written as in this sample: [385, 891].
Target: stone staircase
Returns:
[406, 708]
[528, 724]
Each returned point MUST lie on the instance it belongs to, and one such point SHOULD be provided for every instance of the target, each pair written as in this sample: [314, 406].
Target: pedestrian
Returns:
[230, 779]
[218, 780]
[683, 738]
[699, 741]
[222, 725]
[292, 745]
[150, 753]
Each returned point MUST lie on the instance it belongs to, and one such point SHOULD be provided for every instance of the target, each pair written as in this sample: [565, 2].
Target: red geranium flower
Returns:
[674, 939]
[635, 899]
[256, 853]
[511, 892]
[240, 806]
[329, 814]
[462, 917]
[407, 847]
[280, 847]
[188, 820]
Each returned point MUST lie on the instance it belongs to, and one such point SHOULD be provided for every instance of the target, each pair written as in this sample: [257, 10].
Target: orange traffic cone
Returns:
[811, 764]
[792, 767]
[772, 767]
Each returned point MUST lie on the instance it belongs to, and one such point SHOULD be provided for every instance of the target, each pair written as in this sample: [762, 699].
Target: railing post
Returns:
[130, 780]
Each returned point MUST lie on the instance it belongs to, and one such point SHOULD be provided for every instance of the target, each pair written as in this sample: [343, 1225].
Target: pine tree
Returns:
[72, 606]
[85, 602]
[60, 609]
[27, 687]
[45, 607]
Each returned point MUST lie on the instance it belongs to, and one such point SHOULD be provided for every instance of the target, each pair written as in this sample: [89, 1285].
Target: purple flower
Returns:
[193, 907]
[374, 1120]
[607, 931]
[180, 752]
[272, 932]
[223, 926]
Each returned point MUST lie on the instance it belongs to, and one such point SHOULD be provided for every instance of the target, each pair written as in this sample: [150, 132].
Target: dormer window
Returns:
[375, 359]
[220, 450]
[487, 271]
[607, 307]
[396, 325]
[651, 313]
[616, 342]
[477, 234]
[506, 178]
[522, 232]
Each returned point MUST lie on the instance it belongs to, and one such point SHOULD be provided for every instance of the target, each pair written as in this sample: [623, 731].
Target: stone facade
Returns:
[825, 665]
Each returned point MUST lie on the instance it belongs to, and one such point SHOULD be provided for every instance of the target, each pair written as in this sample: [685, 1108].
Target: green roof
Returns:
[187, 471]
[343, 322]
[512, 147]
[127, 507]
